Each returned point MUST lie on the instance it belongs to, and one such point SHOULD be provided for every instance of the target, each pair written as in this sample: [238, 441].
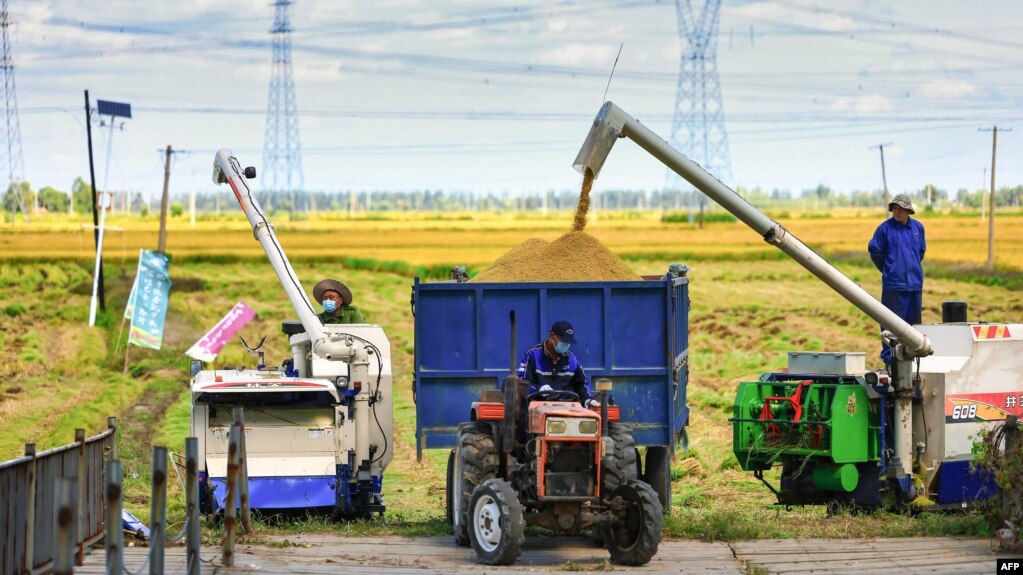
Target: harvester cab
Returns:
[542, 459]
[318, 428]
[841, 433]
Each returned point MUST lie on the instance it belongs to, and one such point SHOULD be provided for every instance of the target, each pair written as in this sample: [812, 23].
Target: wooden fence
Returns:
[30, 487]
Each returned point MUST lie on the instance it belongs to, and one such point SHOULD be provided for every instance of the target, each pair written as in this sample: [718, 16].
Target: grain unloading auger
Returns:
[842, 433]
[319, 427]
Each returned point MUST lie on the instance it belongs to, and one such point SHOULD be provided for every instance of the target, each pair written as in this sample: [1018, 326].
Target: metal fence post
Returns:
[30, 518]
[158, 515]
[63, 561]
[230, 501]
[112, 424]
[114, 533]
[192, 504]
[80, 530]
[243, 471]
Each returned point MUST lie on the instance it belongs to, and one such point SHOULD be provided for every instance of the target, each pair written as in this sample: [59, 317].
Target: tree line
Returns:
[51, 200]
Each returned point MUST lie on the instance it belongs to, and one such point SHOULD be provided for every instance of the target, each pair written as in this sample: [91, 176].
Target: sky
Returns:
[498, 96]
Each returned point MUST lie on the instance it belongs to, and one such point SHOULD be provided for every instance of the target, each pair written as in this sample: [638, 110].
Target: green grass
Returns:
[747, 313]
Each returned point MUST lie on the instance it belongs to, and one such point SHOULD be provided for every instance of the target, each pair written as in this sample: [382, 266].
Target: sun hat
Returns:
[335, 286]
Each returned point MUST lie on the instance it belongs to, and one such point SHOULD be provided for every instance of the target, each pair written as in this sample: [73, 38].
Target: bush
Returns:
[999, 453]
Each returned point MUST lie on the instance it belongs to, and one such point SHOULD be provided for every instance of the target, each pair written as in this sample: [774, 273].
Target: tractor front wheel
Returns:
[474, 461]
[497, 527]
[633, 538]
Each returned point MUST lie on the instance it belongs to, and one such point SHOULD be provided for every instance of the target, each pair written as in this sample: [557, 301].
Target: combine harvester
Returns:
[844, 435]
[317, 428]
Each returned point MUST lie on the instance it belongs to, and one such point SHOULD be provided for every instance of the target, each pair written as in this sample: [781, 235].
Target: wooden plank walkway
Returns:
[918, 555]
[320, 554]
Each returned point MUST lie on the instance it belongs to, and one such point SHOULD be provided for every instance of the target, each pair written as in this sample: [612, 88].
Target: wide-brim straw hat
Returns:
[332, 285]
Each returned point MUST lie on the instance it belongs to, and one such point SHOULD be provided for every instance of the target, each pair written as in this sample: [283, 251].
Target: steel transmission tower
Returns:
[14, 163]
[698, 123]
[282, 149]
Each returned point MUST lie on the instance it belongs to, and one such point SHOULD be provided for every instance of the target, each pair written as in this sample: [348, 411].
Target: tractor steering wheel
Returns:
[553, 395]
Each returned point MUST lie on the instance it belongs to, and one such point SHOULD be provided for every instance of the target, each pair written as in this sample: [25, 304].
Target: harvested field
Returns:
[749, 307]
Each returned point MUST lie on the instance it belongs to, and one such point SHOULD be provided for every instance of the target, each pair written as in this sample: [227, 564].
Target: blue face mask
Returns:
[329, 305]
[561, 347]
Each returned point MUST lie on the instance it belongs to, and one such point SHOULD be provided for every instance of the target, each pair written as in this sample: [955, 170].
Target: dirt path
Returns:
[428, 555]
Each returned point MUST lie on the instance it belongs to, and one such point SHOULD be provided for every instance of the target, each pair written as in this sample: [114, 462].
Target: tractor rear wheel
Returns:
[474, 462]
[497, 528]
[633, 538]
[619, 466]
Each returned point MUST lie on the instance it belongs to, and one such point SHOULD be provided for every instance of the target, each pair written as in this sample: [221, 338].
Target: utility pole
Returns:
[162, 245]
[991, 200]
[884, 175]
[95, 202]
[113, 110]
[983, 197]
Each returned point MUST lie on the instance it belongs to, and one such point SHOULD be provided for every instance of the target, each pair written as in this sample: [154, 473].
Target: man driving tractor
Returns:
[550, 366]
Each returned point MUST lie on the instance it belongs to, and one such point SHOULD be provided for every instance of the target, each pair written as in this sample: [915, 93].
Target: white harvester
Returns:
[318, 429]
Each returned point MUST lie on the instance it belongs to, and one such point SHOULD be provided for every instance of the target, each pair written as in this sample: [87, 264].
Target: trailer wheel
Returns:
[658, 474]
[619, 466]
[634, 537]
[448, 487]
[497, 526]
[475, 461]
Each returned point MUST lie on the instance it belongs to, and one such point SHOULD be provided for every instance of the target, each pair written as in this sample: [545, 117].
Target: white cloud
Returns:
[865, 105]
[582, 55]
[770, 12]
[947, 89]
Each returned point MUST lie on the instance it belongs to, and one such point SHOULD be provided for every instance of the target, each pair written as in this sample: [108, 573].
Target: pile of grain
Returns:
[517, 258]
[574, 257]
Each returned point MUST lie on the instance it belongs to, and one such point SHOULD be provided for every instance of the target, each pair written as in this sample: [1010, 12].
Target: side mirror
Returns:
[871, 378]
[250, 172]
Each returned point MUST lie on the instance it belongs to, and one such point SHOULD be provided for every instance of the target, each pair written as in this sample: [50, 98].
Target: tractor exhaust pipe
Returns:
[511, 395]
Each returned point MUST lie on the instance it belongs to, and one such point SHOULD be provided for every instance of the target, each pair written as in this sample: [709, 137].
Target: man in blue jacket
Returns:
[897, 249]
[550, 366]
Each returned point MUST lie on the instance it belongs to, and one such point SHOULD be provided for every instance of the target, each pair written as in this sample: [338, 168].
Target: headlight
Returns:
[556, 426]
[588, 427]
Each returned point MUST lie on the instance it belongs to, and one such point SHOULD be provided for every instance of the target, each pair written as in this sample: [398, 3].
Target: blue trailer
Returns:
[632, 332]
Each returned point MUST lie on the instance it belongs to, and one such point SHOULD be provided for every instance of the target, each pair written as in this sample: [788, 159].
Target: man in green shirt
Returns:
[336, 299]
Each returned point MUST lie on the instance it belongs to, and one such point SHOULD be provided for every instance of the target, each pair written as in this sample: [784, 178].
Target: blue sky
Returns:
[498, 96]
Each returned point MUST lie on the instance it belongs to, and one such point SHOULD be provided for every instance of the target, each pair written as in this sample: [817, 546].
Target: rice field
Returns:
[456, 238]
[750, 305]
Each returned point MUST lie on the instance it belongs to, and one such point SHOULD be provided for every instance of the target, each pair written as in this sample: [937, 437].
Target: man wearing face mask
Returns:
[550, 366]
[336, 299]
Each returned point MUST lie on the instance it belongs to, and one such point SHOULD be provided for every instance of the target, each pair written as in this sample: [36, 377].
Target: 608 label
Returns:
[964, 412]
